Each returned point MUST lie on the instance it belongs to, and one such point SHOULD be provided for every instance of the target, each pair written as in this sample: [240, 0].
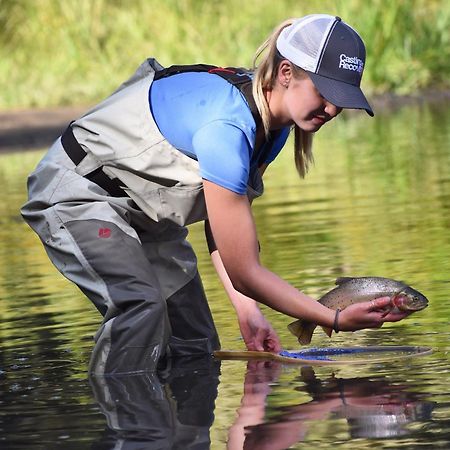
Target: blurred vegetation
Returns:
[55, 52]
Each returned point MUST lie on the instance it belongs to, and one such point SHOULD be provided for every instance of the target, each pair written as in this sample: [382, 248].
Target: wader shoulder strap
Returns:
[77, 154]
[237, 76]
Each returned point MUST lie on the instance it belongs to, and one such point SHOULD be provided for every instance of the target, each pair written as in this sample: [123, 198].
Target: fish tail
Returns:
[303, 330]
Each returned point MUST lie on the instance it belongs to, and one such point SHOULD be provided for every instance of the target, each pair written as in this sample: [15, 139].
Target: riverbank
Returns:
[29, 129]
[22, 130]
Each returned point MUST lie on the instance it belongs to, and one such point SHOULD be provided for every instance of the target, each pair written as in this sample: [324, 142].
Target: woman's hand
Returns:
[369, 315]
[256, 331]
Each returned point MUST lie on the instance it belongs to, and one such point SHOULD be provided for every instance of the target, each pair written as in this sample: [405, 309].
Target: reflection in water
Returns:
[169, 410]
[373, 407]
[376, 409]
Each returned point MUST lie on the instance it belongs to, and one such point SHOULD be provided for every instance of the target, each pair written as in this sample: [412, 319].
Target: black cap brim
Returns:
[341, 94]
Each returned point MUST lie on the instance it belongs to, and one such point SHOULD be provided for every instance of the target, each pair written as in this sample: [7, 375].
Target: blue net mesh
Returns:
[327, 354]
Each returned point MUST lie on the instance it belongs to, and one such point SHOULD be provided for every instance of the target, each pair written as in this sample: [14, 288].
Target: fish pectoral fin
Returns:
[328, 331]
[295, 327]
[302, 330]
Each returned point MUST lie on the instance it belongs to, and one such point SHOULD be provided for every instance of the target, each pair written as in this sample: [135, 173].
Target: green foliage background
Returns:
[59, 52]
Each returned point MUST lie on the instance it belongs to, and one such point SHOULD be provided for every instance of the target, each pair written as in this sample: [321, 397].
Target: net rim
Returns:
[285, 356]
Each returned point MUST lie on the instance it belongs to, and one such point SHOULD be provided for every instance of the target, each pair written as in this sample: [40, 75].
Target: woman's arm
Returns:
[256, 331]
[234, 234]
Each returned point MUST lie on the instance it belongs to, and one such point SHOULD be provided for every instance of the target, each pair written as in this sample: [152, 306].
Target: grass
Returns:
[60, 53]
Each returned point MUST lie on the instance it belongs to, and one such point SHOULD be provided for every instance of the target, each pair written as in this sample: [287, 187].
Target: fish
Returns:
[352, 290]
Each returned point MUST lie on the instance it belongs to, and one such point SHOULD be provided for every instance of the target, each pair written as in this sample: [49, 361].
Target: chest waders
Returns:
[110, 202]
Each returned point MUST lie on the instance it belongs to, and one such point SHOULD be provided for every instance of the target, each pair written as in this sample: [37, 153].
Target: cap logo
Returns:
[350, 63]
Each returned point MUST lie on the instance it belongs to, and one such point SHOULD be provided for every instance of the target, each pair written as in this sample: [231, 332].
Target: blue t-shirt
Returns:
[208, 119]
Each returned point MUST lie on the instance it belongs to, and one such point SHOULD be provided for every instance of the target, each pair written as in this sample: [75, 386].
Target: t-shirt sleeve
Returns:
[223, 153]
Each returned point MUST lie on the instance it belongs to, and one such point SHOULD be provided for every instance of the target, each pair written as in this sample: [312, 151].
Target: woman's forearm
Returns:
[271, 290]
[240, 302]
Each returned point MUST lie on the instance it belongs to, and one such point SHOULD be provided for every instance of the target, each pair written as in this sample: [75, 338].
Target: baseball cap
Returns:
[332, 53]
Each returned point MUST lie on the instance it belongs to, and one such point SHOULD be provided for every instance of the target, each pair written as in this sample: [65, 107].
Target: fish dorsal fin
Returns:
[342, 280]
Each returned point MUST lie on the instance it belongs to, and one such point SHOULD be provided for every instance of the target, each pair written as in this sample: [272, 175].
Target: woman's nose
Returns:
[332, 110]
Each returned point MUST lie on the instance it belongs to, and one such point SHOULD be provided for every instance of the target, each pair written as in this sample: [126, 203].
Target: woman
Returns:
[170, 147]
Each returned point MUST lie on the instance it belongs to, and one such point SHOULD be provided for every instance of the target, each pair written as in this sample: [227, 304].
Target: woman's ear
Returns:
[284, 73]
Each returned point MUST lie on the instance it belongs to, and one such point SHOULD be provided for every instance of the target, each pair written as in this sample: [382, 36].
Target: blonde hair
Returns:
[264, 80]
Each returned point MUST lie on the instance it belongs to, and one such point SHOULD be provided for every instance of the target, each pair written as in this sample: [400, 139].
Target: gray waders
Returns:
[129, 253]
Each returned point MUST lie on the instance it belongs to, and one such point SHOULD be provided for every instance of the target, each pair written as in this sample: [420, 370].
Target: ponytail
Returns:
[264, 80]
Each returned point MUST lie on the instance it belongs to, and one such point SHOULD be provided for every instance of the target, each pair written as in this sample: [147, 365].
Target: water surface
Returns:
[377, 202]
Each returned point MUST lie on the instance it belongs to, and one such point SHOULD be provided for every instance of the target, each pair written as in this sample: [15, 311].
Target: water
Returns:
[377, 202]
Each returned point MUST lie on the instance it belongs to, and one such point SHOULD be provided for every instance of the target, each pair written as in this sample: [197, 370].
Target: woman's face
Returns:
[306, 107]
[298, 101]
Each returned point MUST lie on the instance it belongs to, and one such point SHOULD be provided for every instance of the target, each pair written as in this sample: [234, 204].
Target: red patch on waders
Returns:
[104, 233]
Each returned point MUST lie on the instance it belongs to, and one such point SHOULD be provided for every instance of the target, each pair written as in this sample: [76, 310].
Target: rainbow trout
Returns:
[363, 289]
